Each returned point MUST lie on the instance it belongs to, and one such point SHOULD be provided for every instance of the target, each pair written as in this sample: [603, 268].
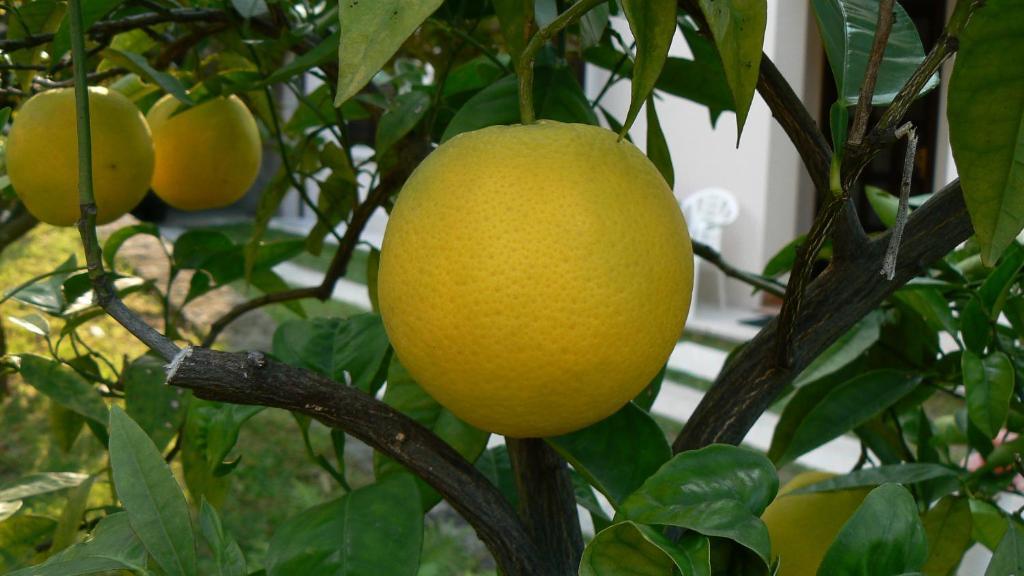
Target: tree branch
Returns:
[16, 226]
[547, 502]
[867, 88]
[833, 303]
[111, 27]
[711, 256]
[252, 379]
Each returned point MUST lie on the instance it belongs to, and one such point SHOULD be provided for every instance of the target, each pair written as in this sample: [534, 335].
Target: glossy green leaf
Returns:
[371, 530]
[121, 235]
[933, 308]
[556, 96]
[515, 17]
[496, 465]
[884, 204]
[989, 382]
[372, 273]
[139, 65]
[41, 483]
[996, 288]
[337, 197]
[250, 8]
[657, 148]
[598, 451]
[989, 524]
[645, 399]
[586, 498]
[112, 545]
[268, 281]
[46, 294]
[986, 123]
[65, 426]
[631, 549]
[842, 408]
[401, 118]
[847, 348]
[211, 430]
[975, 325]
[884, 536]
[9, 508]
[907, 473]
[64, 386]
[356, 346]
[226, 553]
[653, 23]
[371, 33]
[155, 504]
[1008, 558]
[848, 30]
[323, 52]
[738, 27]
[157, 408]
[716, 491]
[405, 395]
[948, 527]
[593, 25]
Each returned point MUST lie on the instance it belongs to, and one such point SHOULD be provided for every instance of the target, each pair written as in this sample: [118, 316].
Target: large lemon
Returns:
[207, 156]
[533, 279]
[42, 155]
[803, 526]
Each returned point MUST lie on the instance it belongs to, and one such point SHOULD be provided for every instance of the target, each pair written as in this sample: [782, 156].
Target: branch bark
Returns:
[251, 378]
[547, 503]
[833, 303]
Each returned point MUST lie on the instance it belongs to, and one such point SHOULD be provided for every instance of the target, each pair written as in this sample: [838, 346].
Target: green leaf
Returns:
[251, 8]
[496, 465]
[41, 483]
[372, 273]
[909, 473]
[884, 204]
[592, 25]
[653, 22]
[64, 386]
[139, 65]
[975, 325]
[996, 288]
[989, 525]
[323, 52]
[717, 491]
[112, 546]
[337, 196]
[515, 18]
[841, 409]
[738, 28]
[19, 537]
[645, 399]
[948, 527]
[1008, 558]
[357, 346]
[121, 235]
[405, 395]
[401, 118]
[631, 549]
[598, 451]
[847, 348]
[155, 504]
[986, 123]
[657, 148]
[884, 536]
[371, 33]
[157, 408]
[66, 532]
[65, 426]
[932, 306]
[989, 383]
[371, 530]
[268, 281]
[47, 294]
[848, 30]
[226, 553]
[556, 96]
[8, 509]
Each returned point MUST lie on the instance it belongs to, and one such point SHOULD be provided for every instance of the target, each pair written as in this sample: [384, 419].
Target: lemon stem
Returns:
[524, 67]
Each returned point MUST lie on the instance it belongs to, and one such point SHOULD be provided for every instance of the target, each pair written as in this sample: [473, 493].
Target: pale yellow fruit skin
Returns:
[803, 526]
[42, 155]
[207, 156]
[533, 279]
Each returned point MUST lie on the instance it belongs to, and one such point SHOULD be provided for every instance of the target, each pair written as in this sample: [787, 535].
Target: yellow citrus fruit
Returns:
[533, 279]
[207, 156]
[803, 526]
[42, 155]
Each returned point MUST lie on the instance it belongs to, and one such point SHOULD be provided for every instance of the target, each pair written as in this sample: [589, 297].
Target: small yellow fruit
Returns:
[803, 526]
[533, 279]
[207, 156]
[42, 155]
